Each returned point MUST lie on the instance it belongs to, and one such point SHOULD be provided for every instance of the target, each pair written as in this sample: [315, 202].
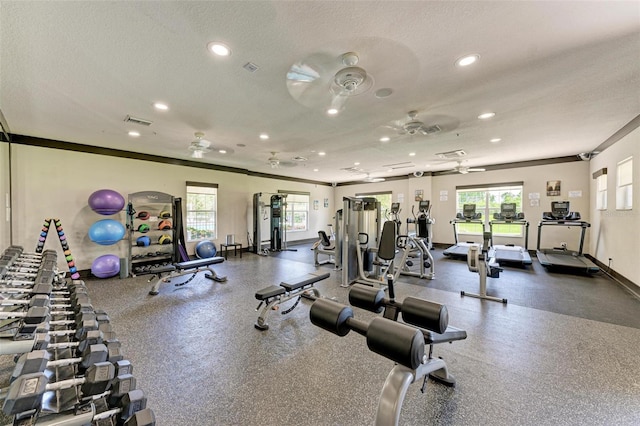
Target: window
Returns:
[488, 200]
[624, 199]
[601, 189]
[201, 211]
[297, 211]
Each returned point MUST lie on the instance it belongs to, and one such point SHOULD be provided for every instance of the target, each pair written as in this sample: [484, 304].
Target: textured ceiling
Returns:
[561, 77]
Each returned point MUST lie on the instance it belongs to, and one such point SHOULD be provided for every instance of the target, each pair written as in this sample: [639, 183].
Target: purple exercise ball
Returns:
[106, 202]
[105, 266]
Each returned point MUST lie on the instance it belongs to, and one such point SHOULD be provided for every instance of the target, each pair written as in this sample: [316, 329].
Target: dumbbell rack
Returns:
[71, 370]
[63, 243]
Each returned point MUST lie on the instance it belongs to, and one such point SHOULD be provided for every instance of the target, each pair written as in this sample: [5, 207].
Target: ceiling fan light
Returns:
[196, 153]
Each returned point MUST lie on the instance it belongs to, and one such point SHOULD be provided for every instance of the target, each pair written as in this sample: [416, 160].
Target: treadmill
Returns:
[510, 253]
[560, 256]
[460, 249]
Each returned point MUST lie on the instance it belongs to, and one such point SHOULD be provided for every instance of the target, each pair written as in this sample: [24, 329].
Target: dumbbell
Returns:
[43, 278]
[130, 411]
[393, 340]
[128, 406]
[26, 392]
[39, 361]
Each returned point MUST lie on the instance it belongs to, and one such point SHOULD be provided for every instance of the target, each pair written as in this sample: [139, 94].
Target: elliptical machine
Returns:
[418, 243]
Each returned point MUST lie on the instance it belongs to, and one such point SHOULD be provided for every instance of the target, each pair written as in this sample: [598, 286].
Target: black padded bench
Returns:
[175, 270]
[270, 297]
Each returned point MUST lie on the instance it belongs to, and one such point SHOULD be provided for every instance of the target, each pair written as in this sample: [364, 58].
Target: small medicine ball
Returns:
[164, 224]
[165, 214]
[143, 215]
[165, 239]
[143, 228]
[143, 241]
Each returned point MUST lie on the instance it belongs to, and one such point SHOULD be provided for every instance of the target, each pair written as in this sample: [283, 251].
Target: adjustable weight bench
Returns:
[184, 268]
[270, 297]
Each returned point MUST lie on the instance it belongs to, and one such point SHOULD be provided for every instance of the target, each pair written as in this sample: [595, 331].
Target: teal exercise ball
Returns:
[106, 232]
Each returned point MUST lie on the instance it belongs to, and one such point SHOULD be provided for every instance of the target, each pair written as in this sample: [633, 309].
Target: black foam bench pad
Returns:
[271, 291]
[304, 280]
[162, 269]
[450, 334]
[193, 264]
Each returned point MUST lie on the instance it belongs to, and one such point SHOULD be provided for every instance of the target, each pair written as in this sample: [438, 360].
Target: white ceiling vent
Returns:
[399, 165]
[458, 153]
[251, 67]
[430, 130]
[140, 121]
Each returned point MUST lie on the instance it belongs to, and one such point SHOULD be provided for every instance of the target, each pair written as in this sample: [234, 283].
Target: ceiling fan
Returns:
[416, 127]
[277, 163]
[199, 146]
[371, 179]
[463, 169]
[328, 81]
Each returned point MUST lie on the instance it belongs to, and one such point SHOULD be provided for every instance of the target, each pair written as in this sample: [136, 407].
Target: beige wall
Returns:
[4, 195]
[56, 183]
[615, 233]
[573, 177]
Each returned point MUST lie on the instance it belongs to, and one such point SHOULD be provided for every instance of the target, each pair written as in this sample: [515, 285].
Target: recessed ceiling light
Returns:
[264, 136]
[160, 106]
[218, 48]
[332, 111]
[412, 154]
[357, 163]
[222, 151]
[385, 139]
[427, 165]
[315, 170]
[495, 140]
[134, 134]
[467, 60]
[322, 153]
[487, 115]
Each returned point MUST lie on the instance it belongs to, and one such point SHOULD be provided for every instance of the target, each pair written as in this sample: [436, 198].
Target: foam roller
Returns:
[425, 314]
[365, 297]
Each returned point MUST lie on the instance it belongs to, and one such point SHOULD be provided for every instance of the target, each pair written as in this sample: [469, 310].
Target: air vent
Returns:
[140, 121]
[394, 166]
[251, 67]
[353, 170]
[458, 153]
[431, 129]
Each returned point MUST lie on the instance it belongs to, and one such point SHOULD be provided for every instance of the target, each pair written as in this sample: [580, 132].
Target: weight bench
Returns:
[184, 268]
[270, 297]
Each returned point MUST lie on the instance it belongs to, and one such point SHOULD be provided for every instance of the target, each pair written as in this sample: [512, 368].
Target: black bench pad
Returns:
[304, 280]
[193, 264]
[267, 292]
[450, 334]
[162, 269]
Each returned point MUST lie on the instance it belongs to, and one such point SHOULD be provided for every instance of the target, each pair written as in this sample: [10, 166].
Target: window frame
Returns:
[624, 189]
[208, 190]
[291, 210]
[487, 211]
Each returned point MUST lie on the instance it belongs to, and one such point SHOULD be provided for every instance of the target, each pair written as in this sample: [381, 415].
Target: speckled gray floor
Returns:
[200, 361]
